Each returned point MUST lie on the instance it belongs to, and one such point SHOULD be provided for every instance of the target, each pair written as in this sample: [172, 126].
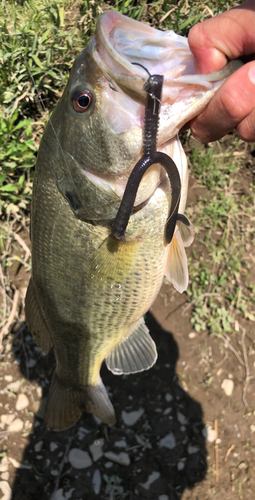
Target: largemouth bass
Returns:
[89, 291]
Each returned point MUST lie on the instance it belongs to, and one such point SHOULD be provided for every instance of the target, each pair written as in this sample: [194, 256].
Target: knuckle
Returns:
[232, 106]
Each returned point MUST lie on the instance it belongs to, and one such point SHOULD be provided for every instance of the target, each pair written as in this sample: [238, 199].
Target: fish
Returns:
[89, 290]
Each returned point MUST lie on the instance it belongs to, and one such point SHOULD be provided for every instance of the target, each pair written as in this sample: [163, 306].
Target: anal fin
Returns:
[35, 319]
[66, 404]
[135, 354]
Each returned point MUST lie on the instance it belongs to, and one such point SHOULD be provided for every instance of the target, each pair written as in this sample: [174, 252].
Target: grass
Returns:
[220, 292]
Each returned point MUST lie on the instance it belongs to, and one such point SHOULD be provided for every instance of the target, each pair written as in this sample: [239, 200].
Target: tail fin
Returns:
[66, 404]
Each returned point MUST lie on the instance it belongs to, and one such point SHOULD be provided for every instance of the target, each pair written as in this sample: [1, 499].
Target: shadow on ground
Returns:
[165, 446]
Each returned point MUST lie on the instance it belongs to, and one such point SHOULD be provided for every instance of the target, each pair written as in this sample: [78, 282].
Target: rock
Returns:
[152, 477]
[192, 449]
[163, 497]
[38, 446]
[108, 465]
[120, 444]
[59, 495]
[228, 386]
[209, 433]
[132, 417]
[252, 428]
[7, 492]
[53, 446]
[15, 426]
[168, 441]
[14, 386]
[31, 363]
[192, 335]
[5, 476]
[39, 391]
[69, 494]
[96, 482]
[4, 464]
[79, 459]
[119, 458]
[181, 418]
[96, 449]
[8, 378]
[22, 402]
[14, 462]
[7, 419]
[168, 397]
[180, 465]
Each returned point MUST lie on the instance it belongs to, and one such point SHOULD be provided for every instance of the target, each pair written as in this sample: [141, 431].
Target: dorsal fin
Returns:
[135, 354]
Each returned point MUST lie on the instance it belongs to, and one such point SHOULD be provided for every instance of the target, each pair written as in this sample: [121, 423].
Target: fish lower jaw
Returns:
[148, 185]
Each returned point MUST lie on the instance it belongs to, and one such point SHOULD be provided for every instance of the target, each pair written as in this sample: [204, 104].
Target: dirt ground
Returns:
[178, 435]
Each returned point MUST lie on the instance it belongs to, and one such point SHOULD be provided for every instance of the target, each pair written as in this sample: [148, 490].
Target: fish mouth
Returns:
[120, 41]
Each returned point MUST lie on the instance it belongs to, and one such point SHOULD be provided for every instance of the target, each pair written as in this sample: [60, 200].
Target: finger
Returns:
[229, 35]
[230, 106]
[246, 128]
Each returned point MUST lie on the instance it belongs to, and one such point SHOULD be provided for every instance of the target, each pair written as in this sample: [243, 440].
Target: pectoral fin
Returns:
[186, 232]
[135, 354]
[35, 319]
[177, 265]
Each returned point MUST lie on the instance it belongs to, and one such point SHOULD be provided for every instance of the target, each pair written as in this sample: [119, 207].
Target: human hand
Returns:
[227, 36]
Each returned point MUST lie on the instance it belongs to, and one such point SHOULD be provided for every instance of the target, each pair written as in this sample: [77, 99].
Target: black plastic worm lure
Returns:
[153, 88]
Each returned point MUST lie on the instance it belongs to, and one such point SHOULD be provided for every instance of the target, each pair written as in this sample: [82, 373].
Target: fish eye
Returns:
[81, 100]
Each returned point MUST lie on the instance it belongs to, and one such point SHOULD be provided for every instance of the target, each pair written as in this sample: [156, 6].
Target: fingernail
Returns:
[251, 74]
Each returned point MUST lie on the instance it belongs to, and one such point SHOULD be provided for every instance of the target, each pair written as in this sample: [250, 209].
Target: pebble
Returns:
[79, 459]
[4, 464]
[22, 402]
[69, 494]
[14, 462]
[120, 444]
[180, 465]
[228, 386]
[5, 476]
[119, 458]
[38, 446]
[39, 391]
[58, 495]
[14, 386]
[192, 335]
[252, 428]
[96, 482]
[96, 449]
[163, 497]
[8, 378]
[7, 492]
[181, 418]
[16, 425]
[152, 477]
[167, 411]
[168, 397]
[53, 446]
[108, 465]
[31, 363]
[209, 433]
[192, 449]
[168, 441]
[132, 417]
[7, 419]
